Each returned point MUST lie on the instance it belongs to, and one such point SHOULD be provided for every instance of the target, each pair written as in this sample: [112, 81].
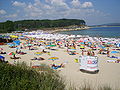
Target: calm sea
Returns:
[97, 32]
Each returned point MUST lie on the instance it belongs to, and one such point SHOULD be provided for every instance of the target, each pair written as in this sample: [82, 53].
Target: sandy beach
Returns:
[108, 72]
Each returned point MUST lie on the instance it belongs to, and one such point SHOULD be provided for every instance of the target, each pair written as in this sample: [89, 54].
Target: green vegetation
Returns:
[22, 77]
[10, 26]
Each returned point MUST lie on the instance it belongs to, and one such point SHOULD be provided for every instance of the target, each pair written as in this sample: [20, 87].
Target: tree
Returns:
[9, 26]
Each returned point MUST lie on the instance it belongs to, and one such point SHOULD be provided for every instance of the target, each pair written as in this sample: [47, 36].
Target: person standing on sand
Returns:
[82, 52]
[108, 52]
[93, 54]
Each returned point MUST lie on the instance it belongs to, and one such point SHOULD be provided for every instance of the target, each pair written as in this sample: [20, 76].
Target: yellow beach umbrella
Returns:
[13, 36]
[38, 53]
[41, 41]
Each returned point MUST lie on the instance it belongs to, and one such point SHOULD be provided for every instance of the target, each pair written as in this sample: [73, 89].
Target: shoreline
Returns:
[70, 29]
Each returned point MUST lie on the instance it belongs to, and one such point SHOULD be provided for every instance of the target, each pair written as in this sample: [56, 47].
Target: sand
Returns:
[109, 73]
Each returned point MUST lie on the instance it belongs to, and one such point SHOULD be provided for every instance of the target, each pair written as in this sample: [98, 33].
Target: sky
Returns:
[94, 12]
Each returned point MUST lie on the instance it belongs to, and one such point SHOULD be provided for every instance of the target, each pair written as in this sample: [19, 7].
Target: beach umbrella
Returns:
[1, 48]
[114, 52]
[1, 57]
[41, 41]
[51, 45]
[13, 36]
[53, 58]
[38, 53]
[71, 49]
[11, 53]
[82, 47]
[17, 42]
[29, 44]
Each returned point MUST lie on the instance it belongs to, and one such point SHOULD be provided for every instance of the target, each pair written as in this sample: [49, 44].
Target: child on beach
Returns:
[108, 52]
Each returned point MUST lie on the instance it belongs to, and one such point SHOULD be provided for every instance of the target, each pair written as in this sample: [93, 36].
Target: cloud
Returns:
[59, 5]
[76, 3]
[11, 15]
[32, 10]
[2, 11]
[19, 4]
[87, 4]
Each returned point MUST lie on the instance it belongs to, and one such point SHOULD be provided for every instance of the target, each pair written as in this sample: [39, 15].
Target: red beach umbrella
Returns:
[11, 53]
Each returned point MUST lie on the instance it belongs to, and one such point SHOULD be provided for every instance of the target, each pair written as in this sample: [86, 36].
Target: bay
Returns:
[111, 32]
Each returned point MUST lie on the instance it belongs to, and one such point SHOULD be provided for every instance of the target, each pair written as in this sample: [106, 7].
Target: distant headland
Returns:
[107, 25]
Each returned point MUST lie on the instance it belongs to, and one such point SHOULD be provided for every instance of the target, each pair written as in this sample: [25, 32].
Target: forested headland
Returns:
[20, 25]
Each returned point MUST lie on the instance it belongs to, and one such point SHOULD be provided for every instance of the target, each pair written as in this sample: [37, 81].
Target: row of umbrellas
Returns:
[51, 58]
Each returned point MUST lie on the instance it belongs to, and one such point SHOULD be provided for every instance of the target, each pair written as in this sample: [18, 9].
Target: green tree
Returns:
[9, 26]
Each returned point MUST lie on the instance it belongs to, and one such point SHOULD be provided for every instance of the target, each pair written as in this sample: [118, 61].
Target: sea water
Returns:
[111, 32]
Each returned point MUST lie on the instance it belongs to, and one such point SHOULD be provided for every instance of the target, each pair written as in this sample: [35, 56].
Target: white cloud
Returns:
[11, 15]
[20, 4]
[2, 11]
[59, 5]
[38, 9]
[32, 10]
[76, 3]
[87, 4]
[47, 7]
[37, 3]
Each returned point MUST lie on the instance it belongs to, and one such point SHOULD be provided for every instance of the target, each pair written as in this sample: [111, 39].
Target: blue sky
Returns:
[92, 11]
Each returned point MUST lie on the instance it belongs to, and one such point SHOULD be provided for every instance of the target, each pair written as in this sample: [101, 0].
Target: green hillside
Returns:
[10, 26]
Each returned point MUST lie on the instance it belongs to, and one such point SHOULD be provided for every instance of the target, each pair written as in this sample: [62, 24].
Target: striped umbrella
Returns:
[53, 58]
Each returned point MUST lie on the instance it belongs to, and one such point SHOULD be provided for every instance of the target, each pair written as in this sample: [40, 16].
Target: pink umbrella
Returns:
[1, 48]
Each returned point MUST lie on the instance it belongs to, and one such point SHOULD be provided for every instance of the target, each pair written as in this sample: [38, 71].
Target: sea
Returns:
[106, 32]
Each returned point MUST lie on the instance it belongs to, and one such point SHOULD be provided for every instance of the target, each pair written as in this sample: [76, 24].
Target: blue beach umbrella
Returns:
[114, 52]
[17, 42]
[1, 57]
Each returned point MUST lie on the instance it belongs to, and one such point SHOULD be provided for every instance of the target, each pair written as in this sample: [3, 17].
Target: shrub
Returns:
[22, 77]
